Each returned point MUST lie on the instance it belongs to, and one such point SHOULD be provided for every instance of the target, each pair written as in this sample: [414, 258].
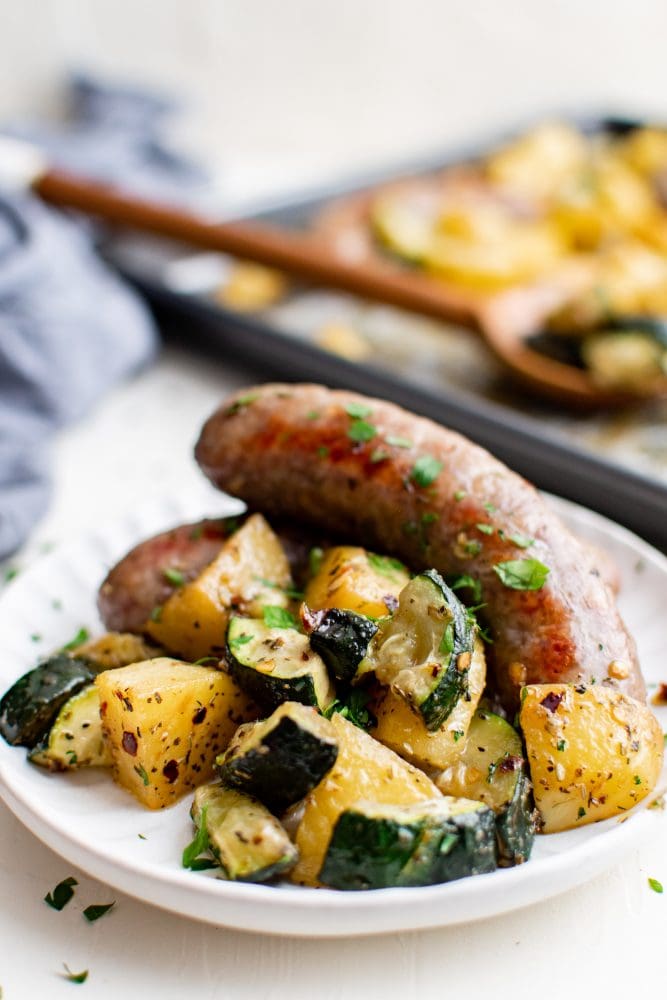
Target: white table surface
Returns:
[607, 937]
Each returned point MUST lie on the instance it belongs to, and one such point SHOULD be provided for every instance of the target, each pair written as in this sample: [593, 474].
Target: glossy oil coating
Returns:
[373, 473]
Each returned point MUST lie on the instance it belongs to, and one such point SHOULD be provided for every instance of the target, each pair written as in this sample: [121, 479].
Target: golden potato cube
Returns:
[116, 649]
[251, 571]
[357, 580]
[592, 753]
[402, 728]
[165, 721]
[364, 769]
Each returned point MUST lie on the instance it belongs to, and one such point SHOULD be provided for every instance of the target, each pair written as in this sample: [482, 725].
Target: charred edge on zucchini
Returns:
[29, 707]
[341, 638]
[280, 759]
[492, 769]
[378, 846]
[274, 665]
[424, 652]
[247, 841]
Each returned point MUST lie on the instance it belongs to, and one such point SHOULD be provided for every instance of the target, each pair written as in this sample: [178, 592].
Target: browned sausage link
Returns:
[376, 474]
[145, 577]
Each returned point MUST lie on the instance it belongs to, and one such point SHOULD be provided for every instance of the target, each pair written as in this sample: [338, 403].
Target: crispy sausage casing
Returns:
[400, 484]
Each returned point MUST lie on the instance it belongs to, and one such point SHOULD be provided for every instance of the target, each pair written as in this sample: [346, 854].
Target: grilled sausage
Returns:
[140, 582]
[378, 475]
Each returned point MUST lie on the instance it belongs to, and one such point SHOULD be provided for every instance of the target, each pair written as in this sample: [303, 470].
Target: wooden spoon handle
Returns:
[308, 256]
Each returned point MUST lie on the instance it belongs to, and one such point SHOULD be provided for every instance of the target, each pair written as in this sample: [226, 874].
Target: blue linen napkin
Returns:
[69, 327]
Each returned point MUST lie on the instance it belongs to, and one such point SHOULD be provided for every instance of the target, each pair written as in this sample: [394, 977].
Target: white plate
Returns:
[96, 826]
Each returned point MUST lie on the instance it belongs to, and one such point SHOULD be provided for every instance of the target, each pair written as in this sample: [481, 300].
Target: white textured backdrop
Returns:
[326, 86]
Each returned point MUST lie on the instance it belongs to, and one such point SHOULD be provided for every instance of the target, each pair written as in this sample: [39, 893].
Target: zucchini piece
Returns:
[280, 759]
[492, 769]
[29, 707]
[76, 738]
[376, 846]
[341, 638]
[424, 652]
[274, 665]
[249, 843]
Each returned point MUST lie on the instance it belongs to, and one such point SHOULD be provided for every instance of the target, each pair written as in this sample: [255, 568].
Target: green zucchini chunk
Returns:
[341, 639]
[247, 841]
[492, 769]
[274, 665]
[75, 738]
[280, 759]
[377, 846]
[424, 652]
[29, 707]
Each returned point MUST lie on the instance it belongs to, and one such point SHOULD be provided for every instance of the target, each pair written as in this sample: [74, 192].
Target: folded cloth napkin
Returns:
[69, 328]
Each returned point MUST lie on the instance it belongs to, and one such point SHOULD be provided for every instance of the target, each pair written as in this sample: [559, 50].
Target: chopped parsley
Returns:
[429, 517]
[489, 507]
[379, 455]
[425, 470]
[522, 574]
[35, 637]
[385, 565]
[141, 771]
[637, 780]
[561, 745]
[156, 613]
[61, 895]
[458, 734]
[97, 910]
[312, 415]
[81, 636]
[486, 529]
[11, 573]
[472, 548]
[521, 541]
[353, 708]
[581, 812]
[361, 431]
[359, 411]
[241, 402]
[467, 582]
[447, 641]
[315, 557]
[173, 576]
[398, 442]
[276, 617]
[74, 977]
[459, 495]
[323, 451]
[655, 885]
[239, 640]
[200, 843]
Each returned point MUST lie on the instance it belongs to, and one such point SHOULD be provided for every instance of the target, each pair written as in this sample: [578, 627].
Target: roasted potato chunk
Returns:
[357, 580]
[164, 722]
[593, 752]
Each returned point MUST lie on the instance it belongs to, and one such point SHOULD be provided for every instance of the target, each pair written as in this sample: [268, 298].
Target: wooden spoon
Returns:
[332, 256]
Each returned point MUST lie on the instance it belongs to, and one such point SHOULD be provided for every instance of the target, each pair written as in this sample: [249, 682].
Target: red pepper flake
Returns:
[170, 771]
[552, 701]
[129, 744]
[510, 763]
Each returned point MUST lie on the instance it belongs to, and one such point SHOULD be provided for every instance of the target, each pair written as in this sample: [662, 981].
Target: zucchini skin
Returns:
[29, 708]
[453, 683]
[367, 852]
[76, 738]
[268, 688]
[515, 824]
[286, 764]
[245, 839]
[341, 639]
